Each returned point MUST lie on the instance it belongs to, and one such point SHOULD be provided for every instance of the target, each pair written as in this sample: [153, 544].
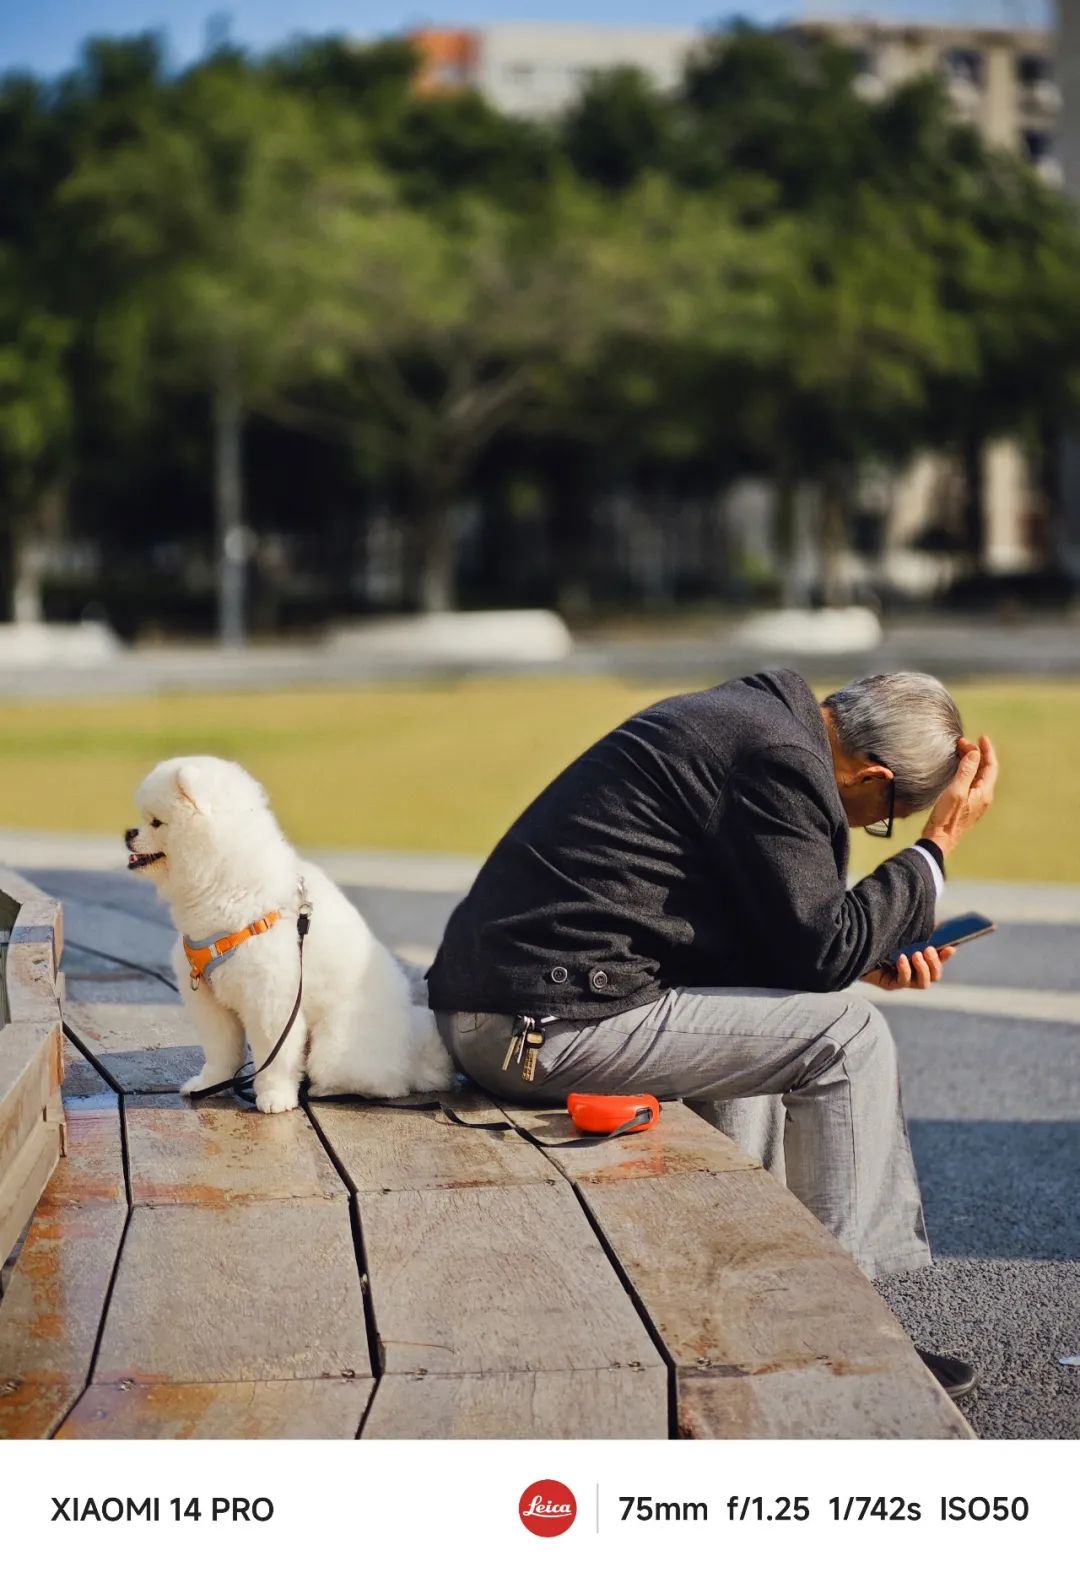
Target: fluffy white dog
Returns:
[211, 844]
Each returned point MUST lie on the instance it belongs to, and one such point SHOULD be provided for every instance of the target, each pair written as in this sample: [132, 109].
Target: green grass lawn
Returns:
[446, 767]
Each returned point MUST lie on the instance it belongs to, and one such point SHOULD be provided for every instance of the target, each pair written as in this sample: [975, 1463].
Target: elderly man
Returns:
[673, 912]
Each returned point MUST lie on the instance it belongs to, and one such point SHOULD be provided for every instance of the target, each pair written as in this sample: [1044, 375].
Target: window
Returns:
[1037, 144]
[963, 65]
[1033, 69]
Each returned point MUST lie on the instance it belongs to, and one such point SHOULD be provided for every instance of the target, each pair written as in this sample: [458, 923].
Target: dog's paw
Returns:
[277, 1100]
[197, 1082]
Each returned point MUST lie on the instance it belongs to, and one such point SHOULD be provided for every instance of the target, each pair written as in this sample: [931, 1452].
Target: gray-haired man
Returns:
[674, 908]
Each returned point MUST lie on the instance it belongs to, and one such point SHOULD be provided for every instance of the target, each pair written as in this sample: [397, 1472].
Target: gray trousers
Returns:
[805, 1082]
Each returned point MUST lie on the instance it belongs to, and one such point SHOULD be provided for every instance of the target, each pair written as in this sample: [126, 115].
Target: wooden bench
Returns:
[349, 1270]
[31, 1113]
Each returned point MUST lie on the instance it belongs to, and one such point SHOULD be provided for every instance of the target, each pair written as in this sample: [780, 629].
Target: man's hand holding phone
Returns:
[918, 971]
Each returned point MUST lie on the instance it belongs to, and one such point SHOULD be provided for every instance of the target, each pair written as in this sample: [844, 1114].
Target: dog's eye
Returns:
[154, 822]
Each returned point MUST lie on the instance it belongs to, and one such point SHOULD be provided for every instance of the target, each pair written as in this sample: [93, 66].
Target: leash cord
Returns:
[243, 1084]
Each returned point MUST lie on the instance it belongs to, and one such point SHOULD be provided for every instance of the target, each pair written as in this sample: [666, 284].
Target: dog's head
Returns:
[200, 815]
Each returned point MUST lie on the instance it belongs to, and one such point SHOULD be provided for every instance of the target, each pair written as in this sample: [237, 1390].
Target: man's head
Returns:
[892, 735]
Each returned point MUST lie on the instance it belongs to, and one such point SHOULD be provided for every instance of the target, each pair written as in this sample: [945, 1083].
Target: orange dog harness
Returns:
[205, 956]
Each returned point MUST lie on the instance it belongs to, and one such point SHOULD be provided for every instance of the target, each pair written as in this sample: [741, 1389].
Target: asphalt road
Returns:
[993, 1103]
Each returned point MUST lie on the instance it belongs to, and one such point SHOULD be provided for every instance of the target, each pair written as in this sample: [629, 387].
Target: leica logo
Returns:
[547, 1507]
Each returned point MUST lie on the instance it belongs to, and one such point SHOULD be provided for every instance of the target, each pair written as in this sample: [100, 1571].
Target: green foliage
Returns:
[760, 270]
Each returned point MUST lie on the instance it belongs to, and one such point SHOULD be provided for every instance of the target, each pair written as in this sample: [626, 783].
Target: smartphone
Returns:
[950, 934]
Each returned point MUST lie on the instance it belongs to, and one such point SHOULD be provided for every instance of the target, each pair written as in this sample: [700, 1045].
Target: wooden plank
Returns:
[622, 1404]
[267, 1290]
[93, 980]
[81, 1078]
[736, 1273]
[92, 1172]
[128, 937]
[820, 1403]
[131, 1027]
[227, 1411]
[681, 1142]
[24, 1179]
[31, 1412]
[384, 1149]
[741, 1281]
[470, 1281]
[51, 1312]
[27, 1076]
[186, 1154]
[147, 1047]
[32, 956]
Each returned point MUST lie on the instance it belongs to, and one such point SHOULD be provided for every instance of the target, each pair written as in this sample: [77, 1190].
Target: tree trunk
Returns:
[974, 513]
[785, 538]
[435, 579]
[832, 539]
[230, 534]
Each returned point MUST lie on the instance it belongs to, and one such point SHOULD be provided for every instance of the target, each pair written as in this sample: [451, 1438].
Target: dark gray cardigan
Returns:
[701, 843]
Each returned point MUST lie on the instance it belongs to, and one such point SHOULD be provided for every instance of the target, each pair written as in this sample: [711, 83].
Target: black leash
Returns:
[503, 1125]
[242, 1084]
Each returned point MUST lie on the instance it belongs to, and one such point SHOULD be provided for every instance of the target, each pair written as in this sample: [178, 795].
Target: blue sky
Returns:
[45, 34]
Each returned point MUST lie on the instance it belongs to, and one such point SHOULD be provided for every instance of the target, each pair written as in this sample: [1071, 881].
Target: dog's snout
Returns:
[130, 836]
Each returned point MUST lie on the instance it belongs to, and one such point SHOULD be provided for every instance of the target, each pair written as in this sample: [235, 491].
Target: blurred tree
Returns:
[620, 127]
[34, 418]
[208, 225]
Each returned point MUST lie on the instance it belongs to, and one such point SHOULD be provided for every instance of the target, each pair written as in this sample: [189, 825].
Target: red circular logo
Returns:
[547, 1507]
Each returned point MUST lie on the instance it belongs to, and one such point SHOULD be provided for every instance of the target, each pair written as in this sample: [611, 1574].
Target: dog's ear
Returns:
[192, 788]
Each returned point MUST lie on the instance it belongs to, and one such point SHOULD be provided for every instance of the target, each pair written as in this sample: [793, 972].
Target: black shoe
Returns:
[954, 1376]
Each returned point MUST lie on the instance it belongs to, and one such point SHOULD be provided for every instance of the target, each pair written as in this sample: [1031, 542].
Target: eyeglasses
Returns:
[884, 828]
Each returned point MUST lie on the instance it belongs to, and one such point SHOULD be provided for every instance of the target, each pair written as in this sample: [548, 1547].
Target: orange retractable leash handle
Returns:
[612, 1115]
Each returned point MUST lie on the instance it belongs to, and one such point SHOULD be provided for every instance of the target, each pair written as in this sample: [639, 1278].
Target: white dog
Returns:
[210, 843]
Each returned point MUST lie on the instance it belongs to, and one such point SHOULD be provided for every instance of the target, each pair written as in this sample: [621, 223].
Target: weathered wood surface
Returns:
[33, 955]
[681, 1143]
[51, 1312]
[227, 1411]
[497, 1268]
[497, 1278]
[261, 1291]
[186, 1153]
[744, 1286]
[617, 1404]
[392, 1149]
[147, 1047]
[107, 929]
[819, 1403]
[31, 1118]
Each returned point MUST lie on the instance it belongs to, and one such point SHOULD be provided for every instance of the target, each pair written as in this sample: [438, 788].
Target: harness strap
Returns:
[205, 956]
[242, 1084]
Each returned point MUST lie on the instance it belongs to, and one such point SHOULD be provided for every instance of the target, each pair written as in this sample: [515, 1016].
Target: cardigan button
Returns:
[560, 974]
[598, 980]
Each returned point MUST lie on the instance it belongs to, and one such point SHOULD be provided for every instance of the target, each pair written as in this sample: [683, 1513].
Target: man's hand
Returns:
[967, 798]
[918, 972]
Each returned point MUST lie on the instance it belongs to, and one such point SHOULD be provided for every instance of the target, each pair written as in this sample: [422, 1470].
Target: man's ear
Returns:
[191, 788]
[870, 771]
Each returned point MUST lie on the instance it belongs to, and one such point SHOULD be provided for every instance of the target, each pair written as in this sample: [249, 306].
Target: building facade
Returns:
[1003, 80]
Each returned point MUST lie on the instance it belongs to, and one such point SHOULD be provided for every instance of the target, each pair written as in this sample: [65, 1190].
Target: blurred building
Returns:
[1002, 80]
[538, 68]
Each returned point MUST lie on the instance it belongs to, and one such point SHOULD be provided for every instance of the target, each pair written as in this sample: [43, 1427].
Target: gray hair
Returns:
[909, 722]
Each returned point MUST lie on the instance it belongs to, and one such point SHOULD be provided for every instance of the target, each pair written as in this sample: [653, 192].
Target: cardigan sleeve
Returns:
[805, 927]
